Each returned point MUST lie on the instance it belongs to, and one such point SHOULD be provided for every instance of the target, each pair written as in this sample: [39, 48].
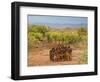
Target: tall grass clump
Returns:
[83, 57]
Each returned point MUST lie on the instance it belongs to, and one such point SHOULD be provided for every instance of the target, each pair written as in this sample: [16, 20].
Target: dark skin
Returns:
[61, 53]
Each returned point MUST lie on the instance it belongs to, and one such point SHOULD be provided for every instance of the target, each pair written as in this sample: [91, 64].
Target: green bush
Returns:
[40, 33]
[39, 29]
[82, 31]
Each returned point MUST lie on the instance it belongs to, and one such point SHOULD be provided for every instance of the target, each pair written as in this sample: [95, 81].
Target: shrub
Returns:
[83, 57]
[39, 29]
[82, 31]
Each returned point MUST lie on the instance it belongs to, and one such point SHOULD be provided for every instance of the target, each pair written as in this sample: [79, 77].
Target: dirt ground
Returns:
[40, 57]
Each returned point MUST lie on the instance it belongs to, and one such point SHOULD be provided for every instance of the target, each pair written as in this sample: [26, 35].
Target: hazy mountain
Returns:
[63, 25]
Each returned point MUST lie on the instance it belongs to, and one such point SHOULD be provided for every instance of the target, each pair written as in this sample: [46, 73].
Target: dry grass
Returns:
[40, 56]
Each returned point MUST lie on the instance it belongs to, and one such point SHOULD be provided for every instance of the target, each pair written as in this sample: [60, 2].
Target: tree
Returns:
[39, 28]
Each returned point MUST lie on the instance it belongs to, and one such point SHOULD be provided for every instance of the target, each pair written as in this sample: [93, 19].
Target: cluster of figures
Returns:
[61, 53]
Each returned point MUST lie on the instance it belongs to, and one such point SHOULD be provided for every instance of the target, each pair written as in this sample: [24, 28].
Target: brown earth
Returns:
[40, 57]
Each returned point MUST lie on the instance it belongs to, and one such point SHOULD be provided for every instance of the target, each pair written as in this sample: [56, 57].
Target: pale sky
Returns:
[66, 20]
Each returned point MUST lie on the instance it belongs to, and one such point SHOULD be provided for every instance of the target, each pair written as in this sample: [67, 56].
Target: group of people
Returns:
[61, 53]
